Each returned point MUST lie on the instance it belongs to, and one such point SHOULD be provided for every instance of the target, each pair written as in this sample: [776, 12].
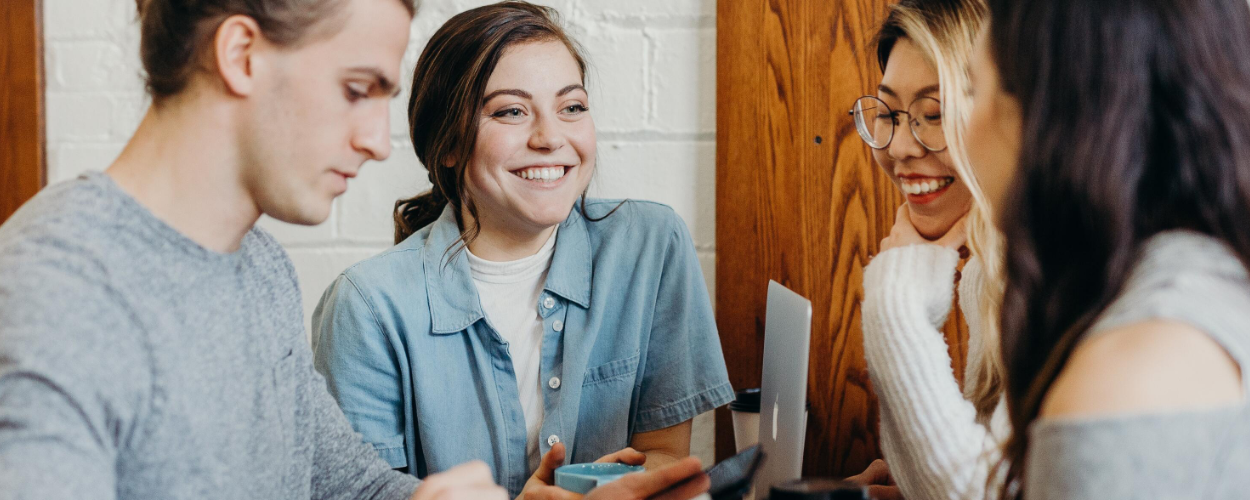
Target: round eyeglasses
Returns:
[875, 122]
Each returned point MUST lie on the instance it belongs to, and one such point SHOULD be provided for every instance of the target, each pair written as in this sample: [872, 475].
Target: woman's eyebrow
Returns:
[516, 92]
[570, 88]
[931, 89]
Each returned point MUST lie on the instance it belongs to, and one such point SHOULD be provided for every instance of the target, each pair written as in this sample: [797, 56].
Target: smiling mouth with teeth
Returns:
[925, 186]
[542, 174]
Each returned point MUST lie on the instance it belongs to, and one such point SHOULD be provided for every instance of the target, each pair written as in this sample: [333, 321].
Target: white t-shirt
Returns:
[509, 292]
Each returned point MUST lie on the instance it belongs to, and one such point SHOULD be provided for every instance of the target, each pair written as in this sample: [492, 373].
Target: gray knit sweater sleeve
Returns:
[344, 466]
[63, 416]
[136, 364]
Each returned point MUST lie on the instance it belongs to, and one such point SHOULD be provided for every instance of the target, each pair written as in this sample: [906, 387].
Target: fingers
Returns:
[876, 473]
[550, 493]
[647, 484]
[902, 215]
[551, 461]
[470, 480]
[877, 478]
[628, 456]
[904, 232]
[880, 471]
[902, 223]
[885, 493]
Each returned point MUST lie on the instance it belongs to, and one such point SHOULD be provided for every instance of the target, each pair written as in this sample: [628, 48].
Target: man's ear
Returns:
[235, 46]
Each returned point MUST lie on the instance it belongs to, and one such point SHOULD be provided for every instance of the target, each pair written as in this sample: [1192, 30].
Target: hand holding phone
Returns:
[731, 479]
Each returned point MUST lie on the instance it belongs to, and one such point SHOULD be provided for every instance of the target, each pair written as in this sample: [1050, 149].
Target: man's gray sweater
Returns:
[136, 364]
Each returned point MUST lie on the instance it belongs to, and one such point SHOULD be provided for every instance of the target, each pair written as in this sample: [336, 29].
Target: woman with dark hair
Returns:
[1112, 138]
[515, 318]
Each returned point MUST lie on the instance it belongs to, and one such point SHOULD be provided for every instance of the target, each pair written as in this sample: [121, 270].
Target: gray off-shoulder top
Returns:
[1180, 276]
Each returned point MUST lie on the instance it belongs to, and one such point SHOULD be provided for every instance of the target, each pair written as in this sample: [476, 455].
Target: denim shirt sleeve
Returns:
[353, 351]
[685, 371]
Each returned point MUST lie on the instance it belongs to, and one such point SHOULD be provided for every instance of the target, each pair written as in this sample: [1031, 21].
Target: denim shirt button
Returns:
[549, 303]
[554, 383]
[557, 325]
[552, 440]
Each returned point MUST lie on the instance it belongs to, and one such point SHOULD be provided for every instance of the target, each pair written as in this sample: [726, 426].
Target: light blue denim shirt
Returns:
[630, 345]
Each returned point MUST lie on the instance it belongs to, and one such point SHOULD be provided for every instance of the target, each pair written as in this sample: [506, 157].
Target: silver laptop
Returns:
[783, 394]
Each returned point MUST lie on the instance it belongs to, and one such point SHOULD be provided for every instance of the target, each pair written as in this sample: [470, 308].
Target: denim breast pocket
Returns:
[612, 372]
[607, 397]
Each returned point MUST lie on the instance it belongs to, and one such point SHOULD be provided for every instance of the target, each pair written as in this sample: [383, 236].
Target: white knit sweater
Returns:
[929, 433]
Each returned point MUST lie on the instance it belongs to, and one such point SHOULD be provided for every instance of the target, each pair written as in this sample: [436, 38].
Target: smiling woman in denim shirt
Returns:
[514, 315]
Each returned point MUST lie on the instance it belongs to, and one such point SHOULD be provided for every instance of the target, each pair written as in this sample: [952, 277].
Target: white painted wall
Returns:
[652, 86]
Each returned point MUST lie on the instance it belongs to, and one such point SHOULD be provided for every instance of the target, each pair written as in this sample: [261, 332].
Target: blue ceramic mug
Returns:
[581, 478]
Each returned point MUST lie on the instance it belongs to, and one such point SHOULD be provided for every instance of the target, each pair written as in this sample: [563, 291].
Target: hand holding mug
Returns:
[545, 477]
[679, 481]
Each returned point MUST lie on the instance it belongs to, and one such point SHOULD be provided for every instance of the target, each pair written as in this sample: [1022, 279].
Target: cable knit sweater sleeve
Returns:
[929, 433]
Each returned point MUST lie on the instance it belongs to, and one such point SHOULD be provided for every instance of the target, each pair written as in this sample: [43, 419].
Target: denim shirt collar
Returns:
[454, 302]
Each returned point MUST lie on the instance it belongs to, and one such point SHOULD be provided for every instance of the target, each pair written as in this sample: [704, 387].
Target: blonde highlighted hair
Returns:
[945, 32]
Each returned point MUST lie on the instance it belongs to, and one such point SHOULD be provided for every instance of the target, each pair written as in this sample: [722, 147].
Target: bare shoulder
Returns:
[1148, 367]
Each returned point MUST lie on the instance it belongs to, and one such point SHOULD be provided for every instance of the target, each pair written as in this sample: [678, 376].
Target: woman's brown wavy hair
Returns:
[447, 90]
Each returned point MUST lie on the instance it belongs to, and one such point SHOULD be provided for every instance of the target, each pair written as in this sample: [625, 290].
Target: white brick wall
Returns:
[652, 87]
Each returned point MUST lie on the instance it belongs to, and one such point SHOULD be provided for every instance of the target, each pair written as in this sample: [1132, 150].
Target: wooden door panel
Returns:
[21, 104]
[799, 200]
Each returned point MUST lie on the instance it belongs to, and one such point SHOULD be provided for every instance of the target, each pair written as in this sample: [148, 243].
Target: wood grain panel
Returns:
[21, 104]
[799, 200]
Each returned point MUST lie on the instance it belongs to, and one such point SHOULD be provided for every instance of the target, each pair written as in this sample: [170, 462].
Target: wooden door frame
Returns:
[23, 146]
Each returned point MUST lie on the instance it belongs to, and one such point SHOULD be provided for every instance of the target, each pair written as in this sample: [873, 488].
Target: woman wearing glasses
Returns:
[939, 441]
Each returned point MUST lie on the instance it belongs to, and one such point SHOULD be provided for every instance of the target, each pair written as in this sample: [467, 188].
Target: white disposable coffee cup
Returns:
[745, 409]
[746, 429]
[746, 417]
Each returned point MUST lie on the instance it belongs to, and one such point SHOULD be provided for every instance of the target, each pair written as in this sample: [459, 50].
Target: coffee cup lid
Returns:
[746, 400]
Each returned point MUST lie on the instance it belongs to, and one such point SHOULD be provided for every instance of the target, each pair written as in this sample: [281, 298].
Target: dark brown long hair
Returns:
[174, 33]
[1134, 122]
[447, 90]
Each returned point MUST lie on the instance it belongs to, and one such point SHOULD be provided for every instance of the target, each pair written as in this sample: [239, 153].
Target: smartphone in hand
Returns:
[732, 478]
